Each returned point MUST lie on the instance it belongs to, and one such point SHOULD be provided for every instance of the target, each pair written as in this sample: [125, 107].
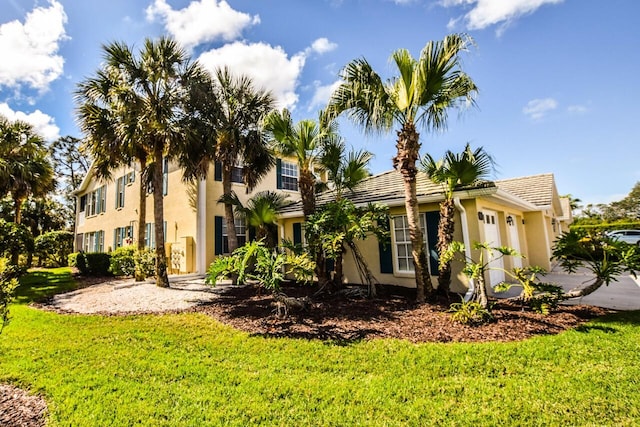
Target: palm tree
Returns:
[25, 169]
[420, 95]
[454, 171]
[261, 213]
[344, 172]
[229, 112]
[304, 141]
[141, 108]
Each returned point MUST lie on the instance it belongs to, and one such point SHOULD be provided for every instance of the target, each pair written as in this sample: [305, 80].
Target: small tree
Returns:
[54, 247]
[603, 256]
[8, 284]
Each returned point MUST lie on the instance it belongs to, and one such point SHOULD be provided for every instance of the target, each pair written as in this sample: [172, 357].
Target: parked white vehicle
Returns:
[629, 236]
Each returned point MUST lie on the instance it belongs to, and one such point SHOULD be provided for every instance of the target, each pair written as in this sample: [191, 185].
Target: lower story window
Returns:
[241, 234]
[94, 241]
[402, 242]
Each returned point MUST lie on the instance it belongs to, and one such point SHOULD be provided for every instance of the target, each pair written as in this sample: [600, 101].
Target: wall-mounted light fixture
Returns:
[509, 220]
[522, 221]
[480, 216]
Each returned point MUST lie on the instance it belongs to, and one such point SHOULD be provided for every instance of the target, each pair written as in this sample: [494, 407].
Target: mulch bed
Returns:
[20, 409]
[395, 315]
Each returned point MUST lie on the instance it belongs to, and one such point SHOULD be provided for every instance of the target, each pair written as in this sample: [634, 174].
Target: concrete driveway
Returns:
[623, 294]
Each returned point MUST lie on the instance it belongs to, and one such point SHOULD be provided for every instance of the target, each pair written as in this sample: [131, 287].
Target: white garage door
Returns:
[492, 236]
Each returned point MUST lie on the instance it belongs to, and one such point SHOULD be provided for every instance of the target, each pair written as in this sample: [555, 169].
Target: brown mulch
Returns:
[20, 409]
[394, 315]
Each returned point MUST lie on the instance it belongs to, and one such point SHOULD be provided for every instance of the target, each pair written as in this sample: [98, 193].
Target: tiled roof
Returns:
[384, 187]
[536, 189]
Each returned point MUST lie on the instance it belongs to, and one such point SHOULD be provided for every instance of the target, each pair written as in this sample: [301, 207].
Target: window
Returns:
[96, 201]
[241, 234]
[287, 175]
[94, 241]
[236, 174]
[402, 241]
[122, 236]
[130, 177]
[149, 236]
[120, 184]
[83, 203]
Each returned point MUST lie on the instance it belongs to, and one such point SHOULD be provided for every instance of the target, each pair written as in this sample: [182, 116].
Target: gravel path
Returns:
[127, 296]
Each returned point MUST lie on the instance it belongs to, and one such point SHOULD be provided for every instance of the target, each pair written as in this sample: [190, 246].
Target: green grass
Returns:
[189, 370]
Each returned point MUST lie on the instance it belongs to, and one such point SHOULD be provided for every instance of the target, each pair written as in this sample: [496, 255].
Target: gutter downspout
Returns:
[467, 244]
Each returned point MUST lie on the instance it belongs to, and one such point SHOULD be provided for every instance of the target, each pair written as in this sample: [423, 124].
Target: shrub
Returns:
[93, 264]
[470, 313]
[122, 261]
[8, 284]
[53, 248]
[145, 261]
[15, 238]
[539, 296]
[255, 261]
[78, 260]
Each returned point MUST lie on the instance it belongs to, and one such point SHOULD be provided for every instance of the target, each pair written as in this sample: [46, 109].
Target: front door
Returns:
[492, 237]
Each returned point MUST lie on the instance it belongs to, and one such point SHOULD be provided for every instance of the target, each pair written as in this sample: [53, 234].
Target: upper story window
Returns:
[96, 201]
[120, 185]
[287, 175]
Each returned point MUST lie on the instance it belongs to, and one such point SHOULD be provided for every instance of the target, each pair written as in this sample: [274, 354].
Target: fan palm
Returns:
[25, 169]
[419, 96]
[229, 111]
[133, 108]
[454, 171]
[305, 141]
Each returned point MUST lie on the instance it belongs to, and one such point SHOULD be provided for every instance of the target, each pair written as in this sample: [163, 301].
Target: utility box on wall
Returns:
[181, 258]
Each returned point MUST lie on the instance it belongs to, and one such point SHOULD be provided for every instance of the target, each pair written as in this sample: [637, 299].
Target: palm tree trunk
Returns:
[162, 280]
[142, 214]
[408, 146]
[445, 237]
[17, 216]
[232, 237]
[307, 185]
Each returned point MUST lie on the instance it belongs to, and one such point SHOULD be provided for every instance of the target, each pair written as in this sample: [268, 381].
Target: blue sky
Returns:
[559, 79]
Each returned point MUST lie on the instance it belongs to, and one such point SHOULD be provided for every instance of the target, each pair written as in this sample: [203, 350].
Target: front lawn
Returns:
[190, 370]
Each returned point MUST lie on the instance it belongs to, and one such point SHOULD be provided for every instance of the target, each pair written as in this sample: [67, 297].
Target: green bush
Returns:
[145, 261]
[470, 313]
[8, 284]
[53, 248]
[122, 261]
[92, 264]
[15, 238]
[606, 226]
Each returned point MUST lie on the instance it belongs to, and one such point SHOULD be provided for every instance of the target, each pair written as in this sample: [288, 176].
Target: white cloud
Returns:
[41, 122]
[322, 45]
[201, 21]
[577, 109]
[538, 108]
[29, 50]
[322, 94]
[269, 67]
[485, 13]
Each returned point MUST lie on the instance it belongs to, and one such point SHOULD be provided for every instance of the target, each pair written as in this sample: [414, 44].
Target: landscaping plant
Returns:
[8, 284]
[539, 296]
[53, 248]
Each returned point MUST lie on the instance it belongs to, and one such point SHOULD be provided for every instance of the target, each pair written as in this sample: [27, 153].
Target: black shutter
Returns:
[386, 256]
[297, 233]
[217, 171]
[252, 234]
[433, 219]
[218, 235]
[279, 174]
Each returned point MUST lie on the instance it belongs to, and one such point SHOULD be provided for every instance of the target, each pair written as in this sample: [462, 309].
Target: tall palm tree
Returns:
[305, 141]
[25, 169]
[454, 171]
[229, 111]
[419, 96]
[142, 111]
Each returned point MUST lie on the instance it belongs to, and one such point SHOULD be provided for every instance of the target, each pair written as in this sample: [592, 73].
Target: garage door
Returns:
[492, 236]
